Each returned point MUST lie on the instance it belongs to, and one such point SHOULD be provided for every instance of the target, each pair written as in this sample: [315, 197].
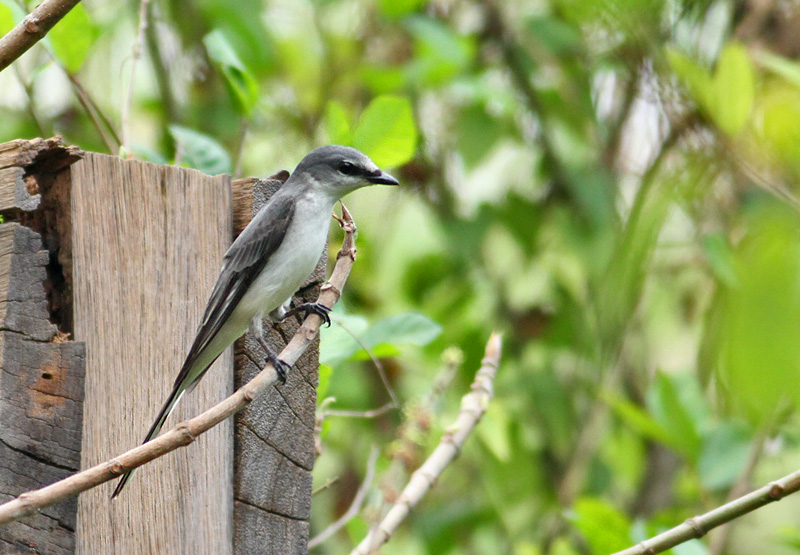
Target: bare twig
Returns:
[99, 119]
[30, 106]
[374, 413]
[355, 506]
[700, 525]
[32, 29]
[185, 433]
[473, 405]
[136, 54]
[375, 361]
[169, 112]
[328, 483]
[719, 539]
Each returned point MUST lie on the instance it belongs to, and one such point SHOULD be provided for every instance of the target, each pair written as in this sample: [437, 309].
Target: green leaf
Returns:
[72, 37]
[760, 317]
[383, 80]
[410, 328]
[788, 69]
[440, 54]
[386, 131]
[6, 19]
[778, 123]
[200, 151]
[301, 61]
[337, 124]
[671, 413]
[336, 342]
[356, 529]
[396, 9]
[734, 89]
[143, 152]
[554, 410]
[606, 529]
[495, 431]
[720, 258]
[556, 35]
[639, 420]
[381, 350]
[325, 373]
[242, 86]
[725, 452]
[478, 132]
[696, 78]
[250, 38]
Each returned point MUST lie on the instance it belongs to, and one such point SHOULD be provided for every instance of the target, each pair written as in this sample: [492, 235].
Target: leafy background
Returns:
[610, 183]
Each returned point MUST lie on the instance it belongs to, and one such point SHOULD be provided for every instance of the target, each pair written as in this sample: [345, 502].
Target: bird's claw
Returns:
[282, 368]
[313, 308]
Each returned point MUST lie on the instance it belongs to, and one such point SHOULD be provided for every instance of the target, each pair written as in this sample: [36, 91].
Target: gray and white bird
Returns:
[269, 261]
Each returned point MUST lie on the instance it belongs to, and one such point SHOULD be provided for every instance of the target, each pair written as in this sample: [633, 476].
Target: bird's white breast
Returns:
[294, 260]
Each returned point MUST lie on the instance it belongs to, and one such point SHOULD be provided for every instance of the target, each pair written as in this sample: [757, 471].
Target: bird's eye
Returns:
[348, 168]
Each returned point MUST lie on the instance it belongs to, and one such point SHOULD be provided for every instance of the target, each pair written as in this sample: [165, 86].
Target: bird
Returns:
[268, 262]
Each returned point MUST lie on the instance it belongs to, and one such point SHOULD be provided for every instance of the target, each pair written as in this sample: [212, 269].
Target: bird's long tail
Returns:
[165, 411]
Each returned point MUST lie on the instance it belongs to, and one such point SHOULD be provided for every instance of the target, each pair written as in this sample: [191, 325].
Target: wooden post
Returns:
[41, 374]
[147, 245]
[274, 441]
[134, 249]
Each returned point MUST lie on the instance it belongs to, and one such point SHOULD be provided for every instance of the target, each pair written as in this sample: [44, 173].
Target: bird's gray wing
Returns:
[241, 265]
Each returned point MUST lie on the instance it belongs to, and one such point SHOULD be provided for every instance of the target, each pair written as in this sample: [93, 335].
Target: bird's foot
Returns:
[282, 368]
[313, 308]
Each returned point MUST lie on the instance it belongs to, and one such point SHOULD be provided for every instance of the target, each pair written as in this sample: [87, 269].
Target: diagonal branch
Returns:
[185, 433]
[473, 406]
[698, 526]
[32, 29]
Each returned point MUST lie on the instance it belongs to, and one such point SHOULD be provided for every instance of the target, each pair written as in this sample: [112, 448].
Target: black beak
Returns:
[382, 178]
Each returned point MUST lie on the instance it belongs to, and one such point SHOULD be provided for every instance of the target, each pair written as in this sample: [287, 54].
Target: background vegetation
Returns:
[611, 183]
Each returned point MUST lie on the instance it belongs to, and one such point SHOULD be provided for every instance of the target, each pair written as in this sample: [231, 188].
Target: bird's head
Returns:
[341, 169]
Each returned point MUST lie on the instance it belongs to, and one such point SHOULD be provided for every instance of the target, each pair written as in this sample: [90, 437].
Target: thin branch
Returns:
[355, 506]
[375, 361]
[185, 433]
[700, 525]
[169, 109]
[374, 413]
[719, 540]
[473, 406]
[614, 140]
[325, 486]
[99, 119]
[30, 105]
[32, 29]
[137, 53]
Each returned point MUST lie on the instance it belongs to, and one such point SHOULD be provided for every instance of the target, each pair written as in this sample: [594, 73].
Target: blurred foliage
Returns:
[613, 184]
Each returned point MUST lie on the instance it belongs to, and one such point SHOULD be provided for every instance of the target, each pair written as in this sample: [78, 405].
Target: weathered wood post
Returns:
[274, 437]
[134, 251]
[41, 376]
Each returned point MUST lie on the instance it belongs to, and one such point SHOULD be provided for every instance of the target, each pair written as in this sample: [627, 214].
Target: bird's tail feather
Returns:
[165, 411]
